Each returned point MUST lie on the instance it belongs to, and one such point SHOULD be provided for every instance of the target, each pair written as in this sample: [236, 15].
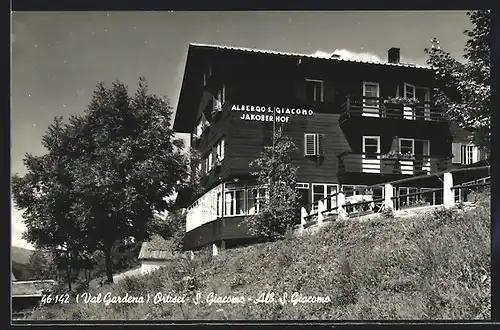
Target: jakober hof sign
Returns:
[262, 113]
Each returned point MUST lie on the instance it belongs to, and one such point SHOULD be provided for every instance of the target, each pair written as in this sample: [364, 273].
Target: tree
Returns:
[172, 227]
[120, 160]
[44, 195]
[41, 266]
[465, 87]
[193, 187]
[278, 210]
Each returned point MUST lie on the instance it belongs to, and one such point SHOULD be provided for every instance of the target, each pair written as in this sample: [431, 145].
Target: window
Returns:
[234, 202]
[254, 198]
[207, 73]
[313, 144]
[302, 185]
[407, 200]
[221, 98]
[371, 93]
[203, 123]
[314, 90]
[220, 149]
[321, 191]
[318, 192]
[219, 204]
[216, 154]
[371, 147]
[199, 129]
[407, 146]
[207, 164]
[409, 91]
[465, 154]
[350, 190]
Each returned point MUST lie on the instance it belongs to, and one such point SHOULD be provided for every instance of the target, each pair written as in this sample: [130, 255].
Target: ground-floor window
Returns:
[255, 196]
[407, 200]
[461, 194]
[242, 198]
[219, 204]
[234, 202]
[320, 191]
[352, 190]
[303, 190]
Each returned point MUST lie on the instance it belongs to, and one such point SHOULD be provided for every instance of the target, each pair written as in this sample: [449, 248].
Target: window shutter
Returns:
[456, 150]
[321, 144]
[310, 144]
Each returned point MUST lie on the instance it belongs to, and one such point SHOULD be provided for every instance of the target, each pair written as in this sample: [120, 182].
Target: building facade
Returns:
[355, 124]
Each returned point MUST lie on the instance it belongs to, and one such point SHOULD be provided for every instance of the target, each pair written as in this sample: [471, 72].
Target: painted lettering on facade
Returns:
[262, 113]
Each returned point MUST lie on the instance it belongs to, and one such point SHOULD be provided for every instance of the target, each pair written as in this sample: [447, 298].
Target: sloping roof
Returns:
[332, 58]
[13, 278]
[31, 288]
[152, 252]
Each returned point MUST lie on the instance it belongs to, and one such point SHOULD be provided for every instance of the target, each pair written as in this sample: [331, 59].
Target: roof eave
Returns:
[289, 54]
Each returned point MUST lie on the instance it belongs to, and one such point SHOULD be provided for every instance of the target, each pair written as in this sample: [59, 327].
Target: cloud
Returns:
[349, 55]
[18, 228]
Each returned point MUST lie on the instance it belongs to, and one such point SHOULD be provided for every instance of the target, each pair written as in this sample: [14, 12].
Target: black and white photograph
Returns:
[250, 165]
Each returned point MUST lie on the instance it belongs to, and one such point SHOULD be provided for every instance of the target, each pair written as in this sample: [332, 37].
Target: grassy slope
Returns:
[434, 266]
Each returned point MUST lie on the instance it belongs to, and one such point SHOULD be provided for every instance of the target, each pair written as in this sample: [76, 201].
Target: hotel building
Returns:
[356, 123]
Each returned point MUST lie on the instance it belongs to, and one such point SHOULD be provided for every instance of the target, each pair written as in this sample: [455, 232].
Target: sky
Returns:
[58, 57]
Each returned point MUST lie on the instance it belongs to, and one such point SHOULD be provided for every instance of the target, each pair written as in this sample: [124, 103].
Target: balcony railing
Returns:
[391, 196]
[377, 163]
[379, 107]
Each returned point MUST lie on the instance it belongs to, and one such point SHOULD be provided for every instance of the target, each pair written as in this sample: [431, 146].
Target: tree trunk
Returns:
[109, 264]
[68, 277]
[87, 274]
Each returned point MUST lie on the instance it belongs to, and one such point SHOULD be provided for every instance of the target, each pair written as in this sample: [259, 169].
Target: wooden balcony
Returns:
[376, 163]
[379, 107]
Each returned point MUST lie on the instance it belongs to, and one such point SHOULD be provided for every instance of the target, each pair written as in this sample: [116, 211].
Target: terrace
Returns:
[396, 195]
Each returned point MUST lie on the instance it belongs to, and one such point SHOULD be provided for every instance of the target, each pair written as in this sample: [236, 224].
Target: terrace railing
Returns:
[379, 107]
[380, 163]
[376, 198]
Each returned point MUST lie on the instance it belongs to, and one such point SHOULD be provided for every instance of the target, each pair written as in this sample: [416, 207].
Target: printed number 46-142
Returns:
[55, 299]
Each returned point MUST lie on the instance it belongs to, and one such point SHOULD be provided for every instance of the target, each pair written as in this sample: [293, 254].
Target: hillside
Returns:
[20, 260]
[432, 266]
[21, 255]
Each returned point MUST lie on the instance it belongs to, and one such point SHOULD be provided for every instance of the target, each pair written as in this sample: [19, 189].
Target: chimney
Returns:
[393, 55]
